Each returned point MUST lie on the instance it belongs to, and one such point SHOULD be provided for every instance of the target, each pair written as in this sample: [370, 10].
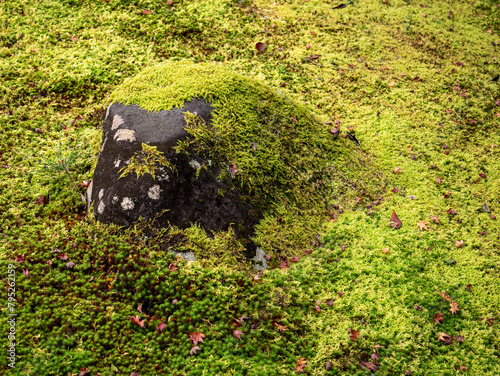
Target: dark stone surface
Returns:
[187, 198]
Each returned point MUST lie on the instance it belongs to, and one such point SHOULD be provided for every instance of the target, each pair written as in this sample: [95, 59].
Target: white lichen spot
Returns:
[104, 143]
[115, 199]
[194, 164]
[154, 192]
[101, 193]
[100, 208]
[127, 204]
[89, 191]
[125, 135]
[163, 175]
[117, 121]
[107, 111]
[117, 163]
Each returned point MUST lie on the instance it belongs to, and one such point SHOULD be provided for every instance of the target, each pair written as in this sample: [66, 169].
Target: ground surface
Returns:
[414, 81]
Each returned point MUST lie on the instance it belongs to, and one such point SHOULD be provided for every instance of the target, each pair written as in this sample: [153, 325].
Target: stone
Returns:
[185, 197]
[188, 144]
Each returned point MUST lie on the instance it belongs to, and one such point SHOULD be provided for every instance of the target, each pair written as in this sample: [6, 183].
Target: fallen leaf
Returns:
[397, 170]
[438, 317]
[160, 327]
[450, 211]
[490, 31]
[417, 307]
[435, 219]
[294, 259]
[422, 225]
[368, 365]
[63, 257]
[439, 180]
[41, 200]
[469, 287]
[314, 57]
[454, 308]
[196, 337]
[329, 302]
[385, 250]
[341, 6]
[353, 334]
[301, 363]
[486, 209]
[395, 190]
[281, 328]
[445, 296]
[328, 366]
[490, 320]
[234, 170]
[26, 272]
[135, 320]
[459, 244]
[169, 2]
[341, 294]
[172, 267]
[260, 46]
[139, 308]
[20, 258]
[237, 334]
[443, 337]
[83, 371]
[258, 276]
[463, 368]
[194, 350]
[147, 11]
[70, 264]
[308, 46]
[317, 308]
[395, 222]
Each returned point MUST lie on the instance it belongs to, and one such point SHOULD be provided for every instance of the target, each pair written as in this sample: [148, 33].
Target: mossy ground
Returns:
[417, 90]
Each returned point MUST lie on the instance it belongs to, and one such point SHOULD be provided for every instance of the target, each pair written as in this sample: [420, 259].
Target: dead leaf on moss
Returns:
[397, 170]
[260, 46]
[435, 219]
[443, 337]
[459, 244]
[454, 307]
[422, 225]
[395, 221]
[385, 250]
[438, 317]
[301, 363]
[353, 334]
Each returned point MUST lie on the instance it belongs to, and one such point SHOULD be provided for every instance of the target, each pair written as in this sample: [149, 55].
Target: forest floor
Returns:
[357, 292]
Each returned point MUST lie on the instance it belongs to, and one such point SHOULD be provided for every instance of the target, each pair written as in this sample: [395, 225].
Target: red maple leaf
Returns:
[83, 371]
[194, 350]
[147, 11]
[301, 363]
[294, 259]
[395, 222]
[20, 258]
[237, 334]
[353, 334]
[160, 327]
[63, 257]
[196, 337]
[368, 365]
[172, 267]
[284, 264]
[260, 46]
[438, 318]
[135, 320]
[258, 276]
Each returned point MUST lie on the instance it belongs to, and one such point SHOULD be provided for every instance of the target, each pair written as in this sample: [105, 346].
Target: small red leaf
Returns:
[135, 320]
[395, 222]
[160, 327]
[196, 337]
[139, 308]
[26, 272]
[237, 334]
[172, 267]
[20, 258]
[260, 46]
[147, 11]
[353, 334]
[194, 350]
[63, 257]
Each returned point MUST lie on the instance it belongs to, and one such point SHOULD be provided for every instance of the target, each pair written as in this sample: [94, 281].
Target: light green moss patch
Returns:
[146, 161]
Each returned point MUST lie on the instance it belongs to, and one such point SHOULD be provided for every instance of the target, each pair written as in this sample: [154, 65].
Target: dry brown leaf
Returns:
[397, 170]
[435, 219]
[385, 250]
[301, 363]
[422, 225]
[438, 318]
[459, 244]
[445, 296]
[454, 308]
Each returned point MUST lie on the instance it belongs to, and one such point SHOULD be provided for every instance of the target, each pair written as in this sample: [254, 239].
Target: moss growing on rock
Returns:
[267, 146]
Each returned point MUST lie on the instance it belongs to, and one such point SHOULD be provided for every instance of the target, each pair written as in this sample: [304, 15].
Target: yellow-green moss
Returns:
[146, 161]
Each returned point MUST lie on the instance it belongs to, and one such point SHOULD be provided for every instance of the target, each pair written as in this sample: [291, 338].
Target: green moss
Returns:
[146, 161]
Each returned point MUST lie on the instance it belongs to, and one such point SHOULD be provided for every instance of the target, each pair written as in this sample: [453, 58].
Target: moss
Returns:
[146, 161]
